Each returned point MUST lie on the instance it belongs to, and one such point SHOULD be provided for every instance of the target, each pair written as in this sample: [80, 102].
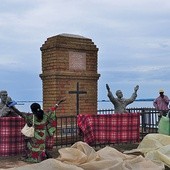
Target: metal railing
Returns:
[148, 119]
[68, 132]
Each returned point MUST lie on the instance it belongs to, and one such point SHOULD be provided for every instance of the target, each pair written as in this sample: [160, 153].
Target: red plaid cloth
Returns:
[115, 128]
[11, 140]
[50, 142]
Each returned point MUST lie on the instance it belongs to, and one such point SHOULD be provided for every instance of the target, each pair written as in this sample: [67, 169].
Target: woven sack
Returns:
[164, 125]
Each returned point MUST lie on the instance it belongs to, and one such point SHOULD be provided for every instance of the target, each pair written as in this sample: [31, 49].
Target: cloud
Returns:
[132, 37]
[139, 69]
[8, 62]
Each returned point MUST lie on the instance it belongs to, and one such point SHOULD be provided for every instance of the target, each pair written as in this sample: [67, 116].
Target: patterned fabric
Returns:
[12, 142]
[36, 146]
[115, 128]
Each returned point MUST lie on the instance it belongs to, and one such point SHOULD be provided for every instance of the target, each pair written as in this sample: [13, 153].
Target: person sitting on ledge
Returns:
[120, 103]
[4, 110]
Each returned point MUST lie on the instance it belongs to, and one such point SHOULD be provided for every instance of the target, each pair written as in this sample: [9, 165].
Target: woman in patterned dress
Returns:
[44, 125]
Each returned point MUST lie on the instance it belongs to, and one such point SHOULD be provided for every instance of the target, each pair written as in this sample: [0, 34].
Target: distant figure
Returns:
[120, 103]
[4, 110]
[161, 103]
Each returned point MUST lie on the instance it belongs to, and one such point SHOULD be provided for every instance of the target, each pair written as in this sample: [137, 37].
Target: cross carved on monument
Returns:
[77, 92]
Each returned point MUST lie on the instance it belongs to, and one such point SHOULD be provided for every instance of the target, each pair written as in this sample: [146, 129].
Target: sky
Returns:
[133, 38]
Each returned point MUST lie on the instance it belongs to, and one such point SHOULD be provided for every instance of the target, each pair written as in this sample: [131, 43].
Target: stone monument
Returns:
[69, 70]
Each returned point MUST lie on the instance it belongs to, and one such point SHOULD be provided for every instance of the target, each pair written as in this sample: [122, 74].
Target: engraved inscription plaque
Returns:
[77, 61]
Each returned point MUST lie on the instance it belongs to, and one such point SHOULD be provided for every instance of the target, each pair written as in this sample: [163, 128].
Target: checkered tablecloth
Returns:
[115, 128]
[11, 140]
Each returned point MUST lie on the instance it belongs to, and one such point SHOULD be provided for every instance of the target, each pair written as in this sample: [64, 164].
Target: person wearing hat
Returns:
[161, 103]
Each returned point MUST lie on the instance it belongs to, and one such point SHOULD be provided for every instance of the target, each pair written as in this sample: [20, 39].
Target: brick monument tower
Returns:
[69, 70]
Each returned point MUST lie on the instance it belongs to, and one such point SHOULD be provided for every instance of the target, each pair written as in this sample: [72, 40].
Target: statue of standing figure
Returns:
[4, 110]
[120, 103]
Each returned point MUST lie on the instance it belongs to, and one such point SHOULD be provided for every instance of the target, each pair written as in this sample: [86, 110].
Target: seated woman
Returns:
[44, 125]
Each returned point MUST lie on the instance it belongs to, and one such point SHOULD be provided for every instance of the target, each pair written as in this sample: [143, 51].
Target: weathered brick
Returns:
[59, 77]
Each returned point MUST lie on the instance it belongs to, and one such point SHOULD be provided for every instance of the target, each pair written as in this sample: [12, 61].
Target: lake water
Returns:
[25, 106]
